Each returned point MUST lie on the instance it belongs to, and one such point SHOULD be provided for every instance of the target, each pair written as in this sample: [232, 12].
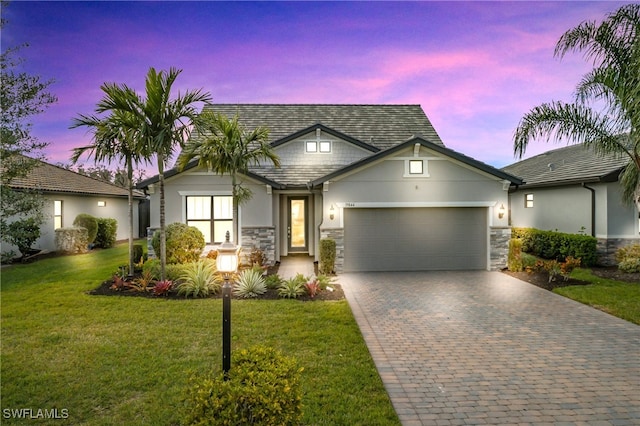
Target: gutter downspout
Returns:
[593, 208]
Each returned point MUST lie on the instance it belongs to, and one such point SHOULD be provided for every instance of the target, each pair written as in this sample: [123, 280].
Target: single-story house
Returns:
[67, 194]
[574, 190]
[375, 178]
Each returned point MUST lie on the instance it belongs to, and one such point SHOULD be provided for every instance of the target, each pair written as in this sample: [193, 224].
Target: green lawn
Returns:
[618, 298]
[123, 360]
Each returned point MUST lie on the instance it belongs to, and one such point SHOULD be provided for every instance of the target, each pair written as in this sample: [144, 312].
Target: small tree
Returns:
[22, 96]
[226, 147]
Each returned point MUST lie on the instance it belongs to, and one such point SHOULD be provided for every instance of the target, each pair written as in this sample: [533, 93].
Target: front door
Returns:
[297, 228]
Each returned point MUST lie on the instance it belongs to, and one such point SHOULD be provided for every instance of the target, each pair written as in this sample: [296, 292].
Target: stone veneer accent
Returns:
[607, 248]
[261, 237]
[499, 237]
[336, 234]
[150, 252]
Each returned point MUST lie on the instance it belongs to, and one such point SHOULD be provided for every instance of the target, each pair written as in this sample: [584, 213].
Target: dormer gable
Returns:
[319, 144]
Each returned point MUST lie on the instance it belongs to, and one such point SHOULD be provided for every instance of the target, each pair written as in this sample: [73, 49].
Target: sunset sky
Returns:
[474, 67]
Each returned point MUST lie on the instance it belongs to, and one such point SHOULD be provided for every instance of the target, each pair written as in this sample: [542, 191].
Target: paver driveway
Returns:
[458, 348]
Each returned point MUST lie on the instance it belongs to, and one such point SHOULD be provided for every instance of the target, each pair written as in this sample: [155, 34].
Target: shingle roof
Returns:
[571, 164]
[49, 178]
[379, 125]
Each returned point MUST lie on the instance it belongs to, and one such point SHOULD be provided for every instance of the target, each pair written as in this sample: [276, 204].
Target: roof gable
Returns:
[468, 161]
[328, 130]
[571, 164]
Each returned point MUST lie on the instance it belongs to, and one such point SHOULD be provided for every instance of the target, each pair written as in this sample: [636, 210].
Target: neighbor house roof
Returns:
[380, 126]
[568, 165]
[46, 177]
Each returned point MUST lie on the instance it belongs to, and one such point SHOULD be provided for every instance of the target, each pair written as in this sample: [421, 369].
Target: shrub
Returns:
[199, 279]
[84, 220]
[250, 284]
[514, 260]
[327, 256]
[138, 252]
[257, 257]
[172, 272]
[162, 288]
[23, 233]
[557, 245]
[184, 243]
[263, 388]
[628, 258]
[71, 240]
[272, 281]
[312, 287]
[293, 287]
[107, 232]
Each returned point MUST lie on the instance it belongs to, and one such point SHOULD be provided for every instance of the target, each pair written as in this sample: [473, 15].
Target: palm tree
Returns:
[224, 146]
[114, 138]
[163, 123]
[614, 48]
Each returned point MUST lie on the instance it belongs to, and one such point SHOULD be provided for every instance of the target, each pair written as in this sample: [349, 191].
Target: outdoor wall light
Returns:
[227, 263]
[102, 203]
[501, 211]
[332, 212]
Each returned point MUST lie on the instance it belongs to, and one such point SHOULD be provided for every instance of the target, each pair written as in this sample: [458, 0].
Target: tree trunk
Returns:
[130, 185]
[234, 200]
[163, 237]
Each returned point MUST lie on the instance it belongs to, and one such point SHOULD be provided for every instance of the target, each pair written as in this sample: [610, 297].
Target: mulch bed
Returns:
[541, 279]
[271, 294]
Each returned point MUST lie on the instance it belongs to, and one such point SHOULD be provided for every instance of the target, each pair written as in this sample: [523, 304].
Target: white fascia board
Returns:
[400, 204]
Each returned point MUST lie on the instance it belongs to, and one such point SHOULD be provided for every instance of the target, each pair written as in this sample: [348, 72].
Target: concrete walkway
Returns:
[468, 348]
[295, 264]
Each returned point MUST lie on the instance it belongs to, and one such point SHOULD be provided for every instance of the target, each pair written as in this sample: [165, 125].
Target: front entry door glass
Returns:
[298, 224]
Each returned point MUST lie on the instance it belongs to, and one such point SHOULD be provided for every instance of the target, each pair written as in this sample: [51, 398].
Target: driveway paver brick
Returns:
[477, 347]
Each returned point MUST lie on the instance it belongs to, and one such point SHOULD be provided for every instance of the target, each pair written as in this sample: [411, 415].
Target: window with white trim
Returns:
[321, 146]
[57, 214]
[212, 215]
[528, 201]
[416, 167]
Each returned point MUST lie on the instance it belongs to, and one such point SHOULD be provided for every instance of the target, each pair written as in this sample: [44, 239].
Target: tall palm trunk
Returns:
[130, 196]
[163, 235]
[234, 201]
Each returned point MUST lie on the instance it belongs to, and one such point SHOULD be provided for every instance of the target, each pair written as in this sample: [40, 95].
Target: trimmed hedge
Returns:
[107, 232]
[184, 243]
[557, 245]
[263, 388]
[84, 220]
[327, 256]
[72, 240]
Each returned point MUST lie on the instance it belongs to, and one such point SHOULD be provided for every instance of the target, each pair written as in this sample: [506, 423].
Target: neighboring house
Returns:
[375, 178]
[574, 190]
[67, 194]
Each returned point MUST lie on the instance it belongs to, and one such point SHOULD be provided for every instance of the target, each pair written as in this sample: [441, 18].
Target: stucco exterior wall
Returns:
[73, 205]
[342, 152]
[256, 212]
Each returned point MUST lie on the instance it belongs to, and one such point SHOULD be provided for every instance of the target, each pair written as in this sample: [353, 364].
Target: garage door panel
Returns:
[415, 239]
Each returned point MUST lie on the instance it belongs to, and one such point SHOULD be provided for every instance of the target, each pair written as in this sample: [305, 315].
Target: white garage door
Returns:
[415, 239]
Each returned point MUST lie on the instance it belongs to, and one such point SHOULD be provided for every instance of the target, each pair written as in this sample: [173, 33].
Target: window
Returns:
[312, 146]
[415, 167]
[212, 215]
[317, 146]
[57, 214]
[528, 201]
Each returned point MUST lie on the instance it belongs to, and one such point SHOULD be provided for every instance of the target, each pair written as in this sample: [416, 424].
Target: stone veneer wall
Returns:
[499, 237]
[336, 234]
[607, 248]
[261, 237]
[150, 252]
